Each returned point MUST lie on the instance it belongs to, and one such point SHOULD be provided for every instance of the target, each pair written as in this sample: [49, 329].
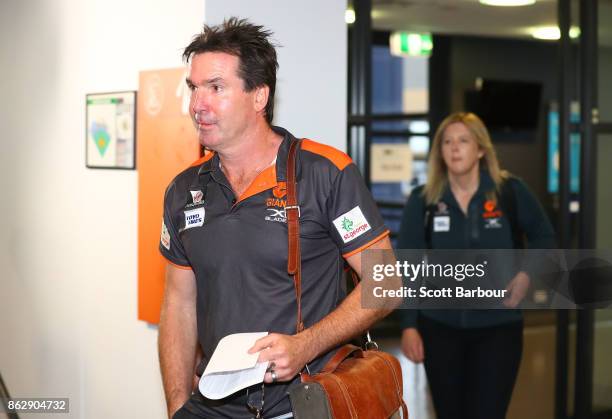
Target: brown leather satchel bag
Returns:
[355, 383]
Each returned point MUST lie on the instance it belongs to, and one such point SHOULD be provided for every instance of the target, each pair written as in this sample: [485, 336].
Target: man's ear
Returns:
[261, 97]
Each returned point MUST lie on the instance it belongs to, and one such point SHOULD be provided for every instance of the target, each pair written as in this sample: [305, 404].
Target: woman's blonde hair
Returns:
[437, 175]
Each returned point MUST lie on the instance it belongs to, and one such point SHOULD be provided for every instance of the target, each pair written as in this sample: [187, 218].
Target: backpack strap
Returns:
[428, 216]
[507, 200]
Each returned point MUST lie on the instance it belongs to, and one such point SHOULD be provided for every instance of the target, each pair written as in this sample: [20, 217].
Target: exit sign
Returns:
[411, 44]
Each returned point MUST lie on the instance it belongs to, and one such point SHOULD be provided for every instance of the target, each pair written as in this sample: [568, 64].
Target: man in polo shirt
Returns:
[224, 233]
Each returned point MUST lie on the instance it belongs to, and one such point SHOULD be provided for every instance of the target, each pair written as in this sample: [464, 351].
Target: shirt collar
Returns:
[212, 166]
[283, 153]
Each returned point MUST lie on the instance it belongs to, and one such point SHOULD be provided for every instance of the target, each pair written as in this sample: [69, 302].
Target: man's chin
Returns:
[208, 141]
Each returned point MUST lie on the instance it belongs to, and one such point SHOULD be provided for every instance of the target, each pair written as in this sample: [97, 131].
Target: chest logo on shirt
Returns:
[491, 210]
[441, 223]
[441, 219]
[197, 196]
[442, 208]
[492, 223]
[491, 215]
[194, 218]
[277, 215]
[280, 190]
[352, 224]
[275, 210]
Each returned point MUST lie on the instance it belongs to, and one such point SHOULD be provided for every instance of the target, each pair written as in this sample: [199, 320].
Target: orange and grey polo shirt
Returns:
[237, 247]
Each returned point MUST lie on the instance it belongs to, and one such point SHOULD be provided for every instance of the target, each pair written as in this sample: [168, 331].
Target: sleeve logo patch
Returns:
[352, 224]
[165, 236]
[194, 218]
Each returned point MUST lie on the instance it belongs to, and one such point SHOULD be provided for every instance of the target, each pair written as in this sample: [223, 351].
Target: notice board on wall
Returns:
[167, 144]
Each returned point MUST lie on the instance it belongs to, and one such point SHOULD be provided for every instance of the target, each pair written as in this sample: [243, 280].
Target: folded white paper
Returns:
[231, 367]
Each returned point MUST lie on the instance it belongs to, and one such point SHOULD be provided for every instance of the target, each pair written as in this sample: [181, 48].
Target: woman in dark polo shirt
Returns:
[471, 356]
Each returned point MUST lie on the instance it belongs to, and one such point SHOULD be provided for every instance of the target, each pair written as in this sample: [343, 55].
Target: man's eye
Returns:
[217, 88]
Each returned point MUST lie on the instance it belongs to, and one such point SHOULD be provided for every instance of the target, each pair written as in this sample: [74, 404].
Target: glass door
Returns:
[602, 361]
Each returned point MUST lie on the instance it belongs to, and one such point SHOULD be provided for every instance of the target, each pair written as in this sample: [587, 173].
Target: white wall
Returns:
[68, 274]
[312, 77]
[68, 287]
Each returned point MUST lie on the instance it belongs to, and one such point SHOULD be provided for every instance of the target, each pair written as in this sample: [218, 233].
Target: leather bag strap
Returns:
[342, 353]
[292, 213]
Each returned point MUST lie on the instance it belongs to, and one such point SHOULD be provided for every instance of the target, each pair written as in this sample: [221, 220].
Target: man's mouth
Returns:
[203, 121]
[203, 125]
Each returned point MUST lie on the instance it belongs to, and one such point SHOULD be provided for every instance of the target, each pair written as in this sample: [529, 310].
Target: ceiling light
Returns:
[574, 32]
[552, 33]
[546, 32]
[349, 16]
[419, 127]
[507, 3]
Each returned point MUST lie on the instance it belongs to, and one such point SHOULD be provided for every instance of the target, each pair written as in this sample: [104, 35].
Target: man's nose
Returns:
[199, 100]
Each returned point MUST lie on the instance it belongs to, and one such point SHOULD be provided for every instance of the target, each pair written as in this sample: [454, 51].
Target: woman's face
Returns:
[460, 151]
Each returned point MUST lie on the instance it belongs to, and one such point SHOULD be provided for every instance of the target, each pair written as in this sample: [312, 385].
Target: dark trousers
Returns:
[196, 408]
[471, 372]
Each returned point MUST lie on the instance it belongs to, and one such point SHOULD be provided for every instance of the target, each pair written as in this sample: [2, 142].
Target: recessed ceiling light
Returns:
[349, 16]
[552, 33]
[507, 3]
[546, 32]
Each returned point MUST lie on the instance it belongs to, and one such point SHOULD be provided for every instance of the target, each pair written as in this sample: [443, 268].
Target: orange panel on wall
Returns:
[167, 144]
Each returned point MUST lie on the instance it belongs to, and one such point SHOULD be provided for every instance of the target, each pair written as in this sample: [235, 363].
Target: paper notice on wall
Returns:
[111, 130]
[415, 100]
[231, 367]
[390, 162]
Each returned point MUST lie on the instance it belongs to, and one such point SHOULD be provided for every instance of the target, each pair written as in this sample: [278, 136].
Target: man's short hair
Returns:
[251, 44]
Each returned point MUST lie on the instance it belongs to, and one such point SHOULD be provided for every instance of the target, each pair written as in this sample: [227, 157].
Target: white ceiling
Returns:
[469, 17]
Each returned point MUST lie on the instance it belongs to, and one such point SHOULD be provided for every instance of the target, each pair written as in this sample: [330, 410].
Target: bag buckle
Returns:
[370, 344]
[293, 207]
